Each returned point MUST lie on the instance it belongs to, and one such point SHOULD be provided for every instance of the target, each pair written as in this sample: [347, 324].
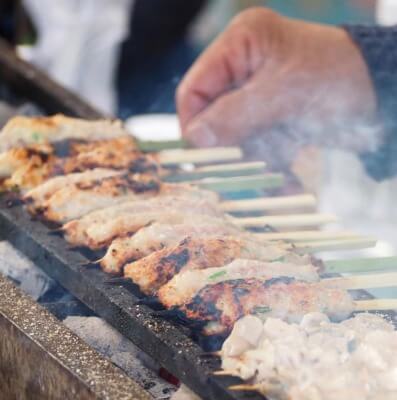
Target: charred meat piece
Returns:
[196, 253]
[120, 153]
[117, 154]
[13, 159]
[220, 305]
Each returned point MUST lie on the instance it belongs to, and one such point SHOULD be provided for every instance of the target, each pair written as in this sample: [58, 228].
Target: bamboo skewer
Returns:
[154, 145]
[361, 265]
[223, 372]
[199, 156]
[304, 236]
[329, 245]
[286, 221]
[270, 203]
[237, 184]
[264, 388]
[218, 171]
[365, 281]
[376, 305]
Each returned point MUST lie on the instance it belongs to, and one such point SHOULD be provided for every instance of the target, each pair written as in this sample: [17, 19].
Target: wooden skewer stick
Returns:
[199, 156]
[304, 236]
[237, 184]
[270, 203]
[246, 387]
[330, 245]
[286, 221]
[156, 145]
[218, 171]
[264, 388]
[376, 305]
[365, 281]
[361, 265]
[224, 373]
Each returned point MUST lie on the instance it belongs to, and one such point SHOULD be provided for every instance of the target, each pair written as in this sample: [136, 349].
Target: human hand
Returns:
[266, 70]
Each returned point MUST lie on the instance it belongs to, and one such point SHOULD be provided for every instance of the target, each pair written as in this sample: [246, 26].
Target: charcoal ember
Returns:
[23, 272]
[109, 342]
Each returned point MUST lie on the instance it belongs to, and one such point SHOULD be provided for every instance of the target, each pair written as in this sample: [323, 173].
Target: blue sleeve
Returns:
[378, 46]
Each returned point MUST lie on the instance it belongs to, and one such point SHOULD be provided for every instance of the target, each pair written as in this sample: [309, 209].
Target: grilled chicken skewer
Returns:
[220, 305]
[316, 359]
[21, 131]
[185, 285]
[98, 228]
[77, 200]
[197, 253]
[157, 236]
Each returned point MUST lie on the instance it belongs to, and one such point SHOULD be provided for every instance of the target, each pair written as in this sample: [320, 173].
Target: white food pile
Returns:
[316, 359]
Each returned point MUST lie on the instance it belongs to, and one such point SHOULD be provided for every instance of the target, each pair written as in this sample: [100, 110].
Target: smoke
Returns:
[327, 116]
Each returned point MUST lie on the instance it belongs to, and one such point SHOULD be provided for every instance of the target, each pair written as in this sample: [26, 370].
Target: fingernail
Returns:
[201, 135]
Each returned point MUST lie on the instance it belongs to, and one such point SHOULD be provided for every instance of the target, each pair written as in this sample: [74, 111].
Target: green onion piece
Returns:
[217, 275]
[279, 259]
[36, 136]
[261, 310]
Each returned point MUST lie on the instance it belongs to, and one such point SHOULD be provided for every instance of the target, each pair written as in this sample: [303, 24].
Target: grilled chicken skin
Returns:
[158, 236]
[220, 305]
[27, 170]
[118, 153]
[13, 159]
[196, 253]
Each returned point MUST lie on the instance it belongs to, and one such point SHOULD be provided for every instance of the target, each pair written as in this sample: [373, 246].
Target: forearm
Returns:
[378, 46]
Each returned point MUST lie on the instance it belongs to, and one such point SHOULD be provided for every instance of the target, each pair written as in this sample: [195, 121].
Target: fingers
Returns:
[225, 65]
[236, 115]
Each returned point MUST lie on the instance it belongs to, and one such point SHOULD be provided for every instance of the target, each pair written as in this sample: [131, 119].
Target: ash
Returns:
[23, 272]
[184, 393]
[107, 341]
[93, 330]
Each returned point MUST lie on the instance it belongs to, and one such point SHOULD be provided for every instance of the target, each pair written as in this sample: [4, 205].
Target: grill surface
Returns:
[168, 343]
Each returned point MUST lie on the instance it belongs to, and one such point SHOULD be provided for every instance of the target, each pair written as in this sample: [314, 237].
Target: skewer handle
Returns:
[376, 305]
[154, 145]
[361, 265]
[269, 203]
[222, 170]
[366, 281]
[328, 245]
[286, 221]
[303, 236]
[199, 156]
[237, 184]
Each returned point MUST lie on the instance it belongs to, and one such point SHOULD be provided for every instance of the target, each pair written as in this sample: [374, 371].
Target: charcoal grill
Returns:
[173, 345]
[168, 343]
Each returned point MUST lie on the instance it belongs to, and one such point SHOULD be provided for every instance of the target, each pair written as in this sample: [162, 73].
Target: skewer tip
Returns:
[223, 373]
[245, 387]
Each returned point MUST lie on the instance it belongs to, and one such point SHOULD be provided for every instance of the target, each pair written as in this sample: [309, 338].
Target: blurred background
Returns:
[127, 57]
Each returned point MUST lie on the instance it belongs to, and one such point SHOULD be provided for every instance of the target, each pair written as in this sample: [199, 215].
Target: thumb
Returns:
[235, 116]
